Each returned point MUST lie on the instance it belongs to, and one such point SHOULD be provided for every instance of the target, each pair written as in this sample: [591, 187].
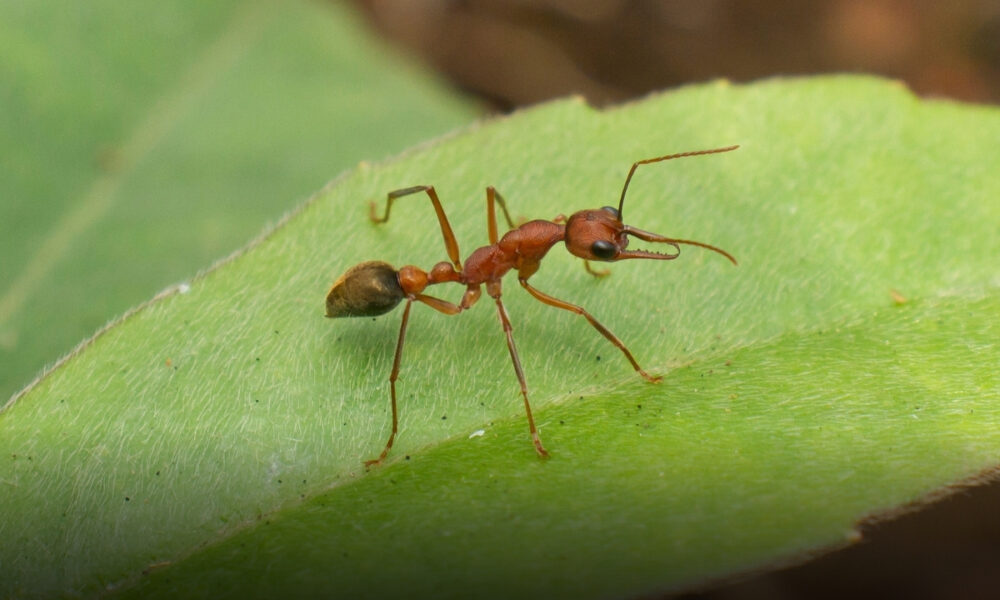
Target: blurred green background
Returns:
[144, 141]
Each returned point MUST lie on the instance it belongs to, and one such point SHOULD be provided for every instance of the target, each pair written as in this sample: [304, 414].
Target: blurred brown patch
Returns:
[519, 52]
[946, 550]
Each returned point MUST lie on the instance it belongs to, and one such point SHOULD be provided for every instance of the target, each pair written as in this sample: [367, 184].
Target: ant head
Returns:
[601, 235]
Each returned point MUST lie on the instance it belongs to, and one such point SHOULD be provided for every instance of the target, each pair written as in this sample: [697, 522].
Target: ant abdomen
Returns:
[369, 289]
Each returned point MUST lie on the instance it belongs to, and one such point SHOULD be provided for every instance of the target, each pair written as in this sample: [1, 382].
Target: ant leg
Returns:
[392, 388]
[493, 197]
[507, 329]
[442, 306]
[595, 272]
[437, 304]
[545, 298]
[450, 244]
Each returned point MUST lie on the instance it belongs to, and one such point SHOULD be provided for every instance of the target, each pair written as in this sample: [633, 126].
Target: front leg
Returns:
[590, 319]
[595, 272]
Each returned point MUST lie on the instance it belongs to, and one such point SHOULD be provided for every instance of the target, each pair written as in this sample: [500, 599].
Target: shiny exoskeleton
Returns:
[374, 288]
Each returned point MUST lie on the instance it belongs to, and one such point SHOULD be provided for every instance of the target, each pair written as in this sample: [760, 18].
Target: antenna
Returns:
[631, 171]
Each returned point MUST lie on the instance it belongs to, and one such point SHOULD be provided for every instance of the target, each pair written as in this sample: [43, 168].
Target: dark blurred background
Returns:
[512, 53]
[518, 52]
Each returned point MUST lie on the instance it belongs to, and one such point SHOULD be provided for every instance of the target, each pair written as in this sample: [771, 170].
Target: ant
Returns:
[374, 288]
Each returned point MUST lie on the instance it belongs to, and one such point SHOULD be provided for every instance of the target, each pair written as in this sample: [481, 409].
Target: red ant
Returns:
[373, 288]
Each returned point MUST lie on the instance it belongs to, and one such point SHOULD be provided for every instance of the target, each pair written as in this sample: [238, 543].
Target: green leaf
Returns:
[143, 140]
[213, 440]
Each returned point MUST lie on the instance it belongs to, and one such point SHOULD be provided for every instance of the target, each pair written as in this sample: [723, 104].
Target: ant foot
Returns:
[651, 378]
[375, 462]
[599, 273]
[542, 452]
[373, 216]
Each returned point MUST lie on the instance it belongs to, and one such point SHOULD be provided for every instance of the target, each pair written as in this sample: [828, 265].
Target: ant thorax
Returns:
[520, 249]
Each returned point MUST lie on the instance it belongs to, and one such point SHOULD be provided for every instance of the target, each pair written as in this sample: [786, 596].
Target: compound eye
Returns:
[614, 211]
[603, 250]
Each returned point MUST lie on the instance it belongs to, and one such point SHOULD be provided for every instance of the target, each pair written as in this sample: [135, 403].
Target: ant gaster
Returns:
[374, 288]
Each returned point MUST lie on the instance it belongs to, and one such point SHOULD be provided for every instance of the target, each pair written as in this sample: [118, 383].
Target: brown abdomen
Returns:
[366, 290]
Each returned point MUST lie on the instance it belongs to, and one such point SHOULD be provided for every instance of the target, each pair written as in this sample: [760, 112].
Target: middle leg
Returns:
[508, 331]
[493, 197]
